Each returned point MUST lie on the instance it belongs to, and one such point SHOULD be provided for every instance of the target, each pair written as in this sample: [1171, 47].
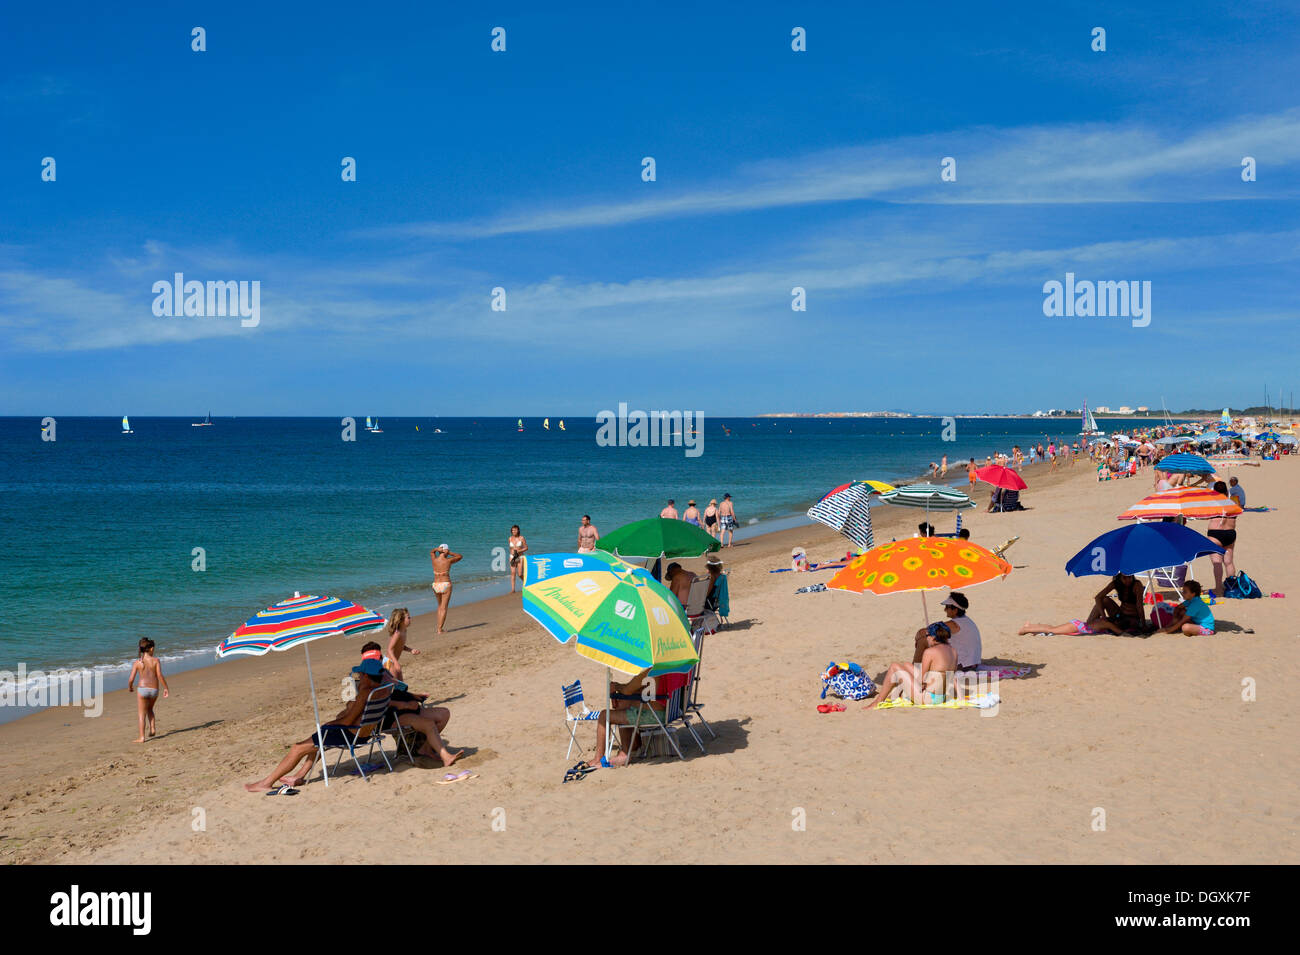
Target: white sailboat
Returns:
[561, 424]
[546, 424]
[519, 426]
[370, 425]
[376, 429]
[126, 425]
[1090, 424]
[205, 423]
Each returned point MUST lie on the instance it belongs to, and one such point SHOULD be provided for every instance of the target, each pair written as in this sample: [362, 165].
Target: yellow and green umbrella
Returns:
[618, 615]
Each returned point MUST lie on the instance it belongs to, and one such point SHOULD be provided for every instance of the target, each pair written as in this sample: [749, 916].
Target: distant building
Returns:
[1143, 409]
[1101, 409]
[1125, 409]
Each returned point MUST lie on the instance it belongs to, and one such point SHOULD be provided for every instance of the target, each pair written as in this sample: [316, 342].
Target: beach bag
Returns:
[1241, 587]
[847, 681]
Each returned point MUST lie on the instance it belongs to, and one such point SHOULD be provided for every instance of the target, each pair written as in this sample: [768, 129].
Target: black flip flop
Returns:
[282, 791]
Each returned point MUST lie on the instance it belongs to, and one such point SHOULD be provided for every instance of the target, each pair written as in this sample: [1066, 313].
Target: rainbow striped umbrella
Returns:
[617, 614]
[299, 620]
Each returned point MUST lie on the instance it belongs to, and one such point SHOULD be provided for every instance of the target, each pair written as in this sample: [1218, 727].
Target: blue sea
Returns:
[98, 529]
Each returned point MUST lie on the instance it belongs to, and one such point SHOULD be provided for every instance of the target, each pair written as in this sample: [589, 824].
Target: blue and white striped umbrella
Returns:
[1185, 464]
[847, 509]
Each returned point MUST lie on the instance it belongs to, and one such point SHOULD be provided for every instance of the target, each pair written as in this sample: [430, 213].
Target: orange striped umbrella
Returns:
[920, 563]
[1193, 502]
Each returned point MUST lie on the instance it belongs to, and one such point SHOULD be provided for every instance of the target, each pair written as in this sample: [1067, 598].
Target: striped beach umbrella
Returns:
[617, 614]
[920, 564]
[847, 509]
[931, 497]
[295, 621]
[1184, 464]
[1190, 502]
[298, 620]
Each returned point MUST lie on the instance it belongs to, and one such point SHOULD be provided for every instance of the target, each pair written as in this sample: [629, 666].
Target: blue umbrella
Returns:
[1138, 548]
[1184, 464]
[1230, 434]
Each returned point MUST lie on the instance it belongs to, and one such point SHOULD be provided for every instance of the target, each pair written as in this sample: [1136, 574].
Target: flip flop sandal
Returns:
[282, 791]
[450, 778]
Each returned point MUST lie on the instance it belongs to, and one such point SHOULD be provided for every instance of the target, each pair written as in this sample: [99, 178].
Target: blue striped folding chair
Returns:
[370, 730]
[662, 725]
[573, 697]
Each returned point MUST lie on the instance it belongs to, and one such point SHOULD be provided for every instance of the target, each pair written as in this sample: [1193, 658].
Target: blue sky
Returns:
[522, 170]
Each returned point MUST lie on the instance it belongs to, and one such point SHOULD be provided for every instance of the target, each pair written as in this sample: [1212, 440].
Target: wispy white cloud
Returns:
[1068, 164]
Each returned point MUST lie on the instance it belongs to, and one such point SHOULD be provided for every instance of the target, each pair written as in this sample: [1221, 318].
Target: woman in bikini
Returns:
[518, 547]
[149, 669]
[442, 559]
[1224, 532]
[928, 681]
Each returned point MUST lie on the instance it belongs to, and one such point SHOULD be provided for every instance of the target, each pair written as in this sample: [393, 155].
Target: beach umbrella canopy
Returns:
[1185, 464]
[298, 621]
[919, 564]
[658, 537]
[931, 497]
[1188, 502]
[1002, 477]
[847, 509]
[880, 486]
[617, 614]
[1137, 548]
[1176, 439]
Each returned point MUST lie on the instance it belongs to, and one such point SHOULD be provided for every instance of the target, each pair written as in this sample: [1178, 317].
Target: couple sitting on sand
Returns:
[942, 650]
[430, 721]
[1126, 615]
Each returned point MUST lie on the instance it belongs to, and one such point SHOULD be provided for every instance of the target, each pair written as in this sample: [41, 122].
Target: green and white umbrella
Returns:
[930, 497]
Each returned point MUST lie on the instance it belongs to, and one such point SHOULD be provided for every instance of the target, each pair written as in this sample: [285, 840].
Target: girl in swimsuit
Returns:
[518, 547]
[149, 669]
[398, 621]
[927, 681]
[1224, 532]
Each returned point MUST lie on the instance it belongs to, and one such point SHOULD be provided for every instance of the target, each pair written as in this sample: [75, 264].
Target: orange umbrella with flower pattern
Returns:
[920, 563]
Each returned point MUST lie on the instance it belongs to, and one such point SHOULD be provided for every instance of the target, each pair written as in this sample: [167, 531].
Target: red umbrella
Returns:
[999, 476]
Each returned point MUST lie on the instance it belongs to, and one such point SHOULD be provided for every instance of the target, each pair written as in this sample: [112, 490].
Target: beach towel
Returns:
[786, 570]
[1005, 673]
[813, 589]
[983, 701]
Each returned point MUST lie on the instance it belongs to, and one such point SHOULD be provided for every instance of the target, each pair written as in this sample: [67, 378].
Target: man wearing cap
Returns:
[442, 559]
[371, 675]
[965, 634]
[965, 637]
[407, 707]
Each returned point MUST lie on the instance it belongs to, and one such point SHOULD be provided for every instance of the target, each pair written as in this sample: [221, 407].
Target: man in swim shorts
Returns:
[726, 520]
[587, 535]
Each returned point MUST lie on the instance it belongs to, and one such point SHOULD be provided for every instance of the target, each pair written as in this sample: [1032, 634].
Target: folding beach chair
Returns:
[1167, 578]
[691, 704]
[573, 697]
[695, 599]
[663, 724]
[368, 730]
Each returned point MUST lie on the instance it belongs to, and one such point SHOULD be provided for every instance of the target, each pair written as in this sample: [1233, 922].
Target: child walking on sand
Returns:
[398, 621]
[149, 669]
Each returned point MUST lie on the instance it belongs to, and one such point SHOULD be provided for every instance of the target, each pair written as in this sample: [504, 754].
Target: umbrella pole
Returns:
[925, 611]
[609, 713]
[320, 740]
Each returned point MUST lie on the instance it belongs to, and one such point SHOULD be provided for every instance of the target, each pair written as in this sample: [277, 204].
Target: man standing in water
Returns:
[587, 535]
[726, 520]
[669, 512]
[443, 558]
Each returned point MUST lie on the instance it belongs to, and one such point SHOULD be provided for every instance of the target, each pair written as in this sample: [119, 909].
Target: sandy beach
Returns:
[1154, 731]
